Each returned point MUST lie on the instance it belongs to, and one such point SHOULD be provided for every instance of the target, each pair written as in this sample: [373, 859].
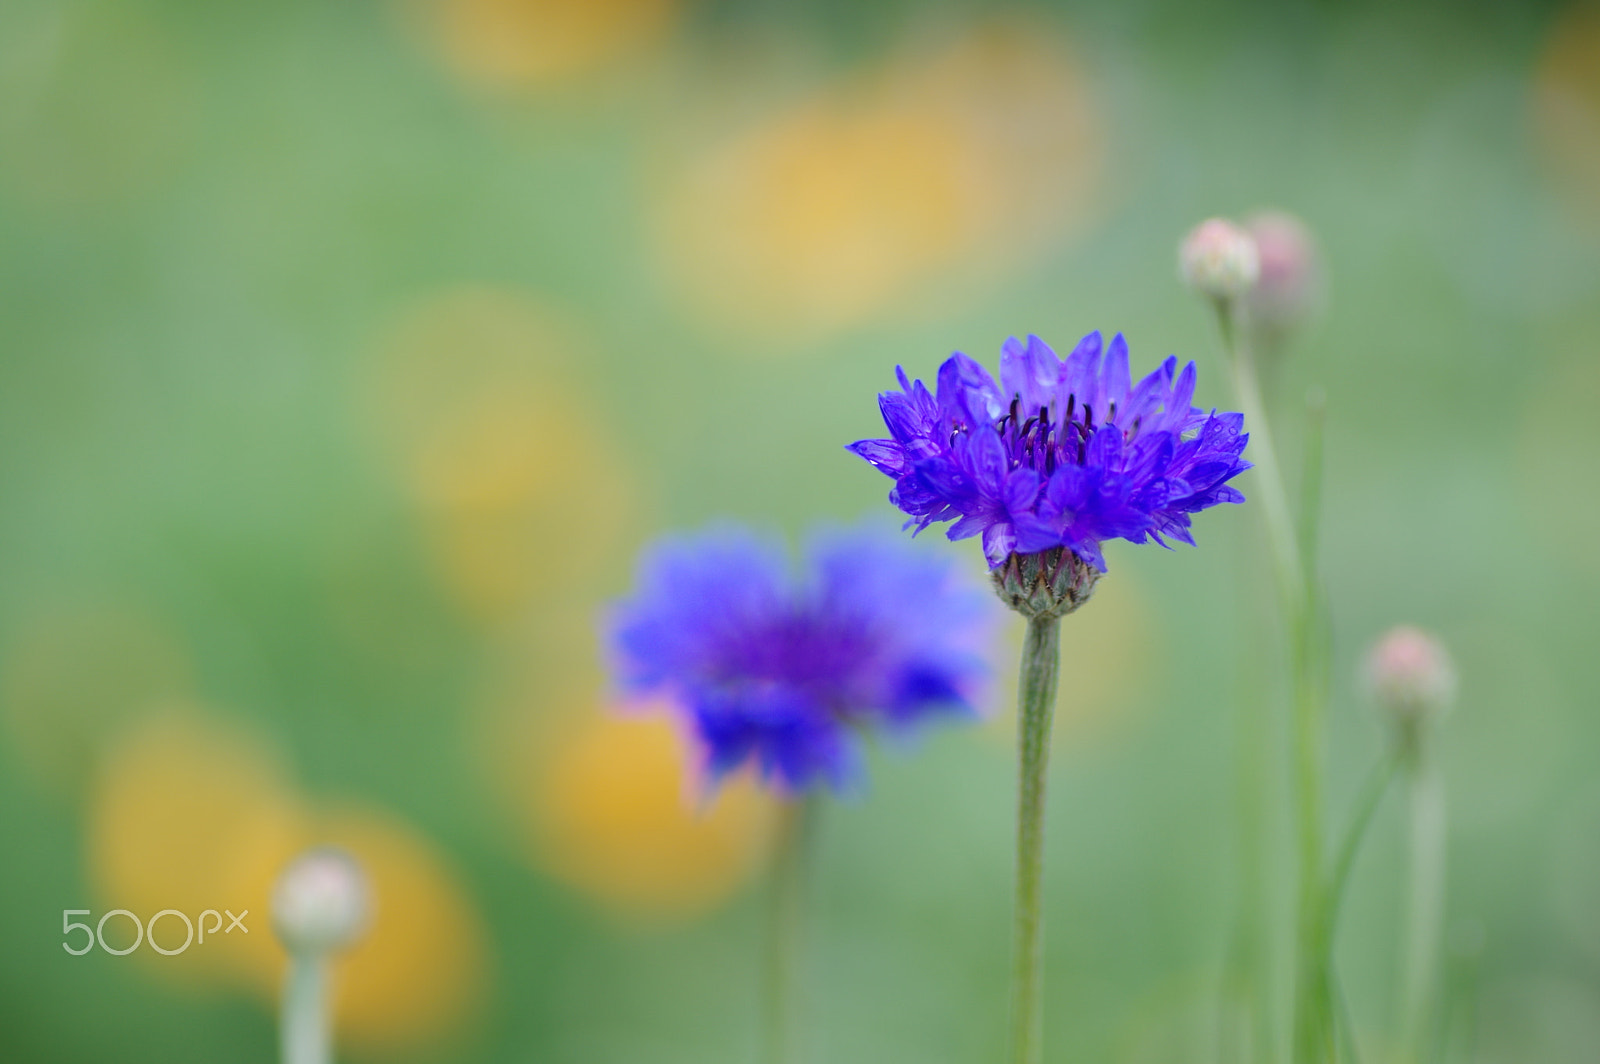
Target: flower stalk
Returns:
[1366, 806]
[1424, 906]
[304, 1029]
[1036, 699]
[786, 930]
[1285, 544]
[1340, 1027]
[1043, 587]
[1313, 1037]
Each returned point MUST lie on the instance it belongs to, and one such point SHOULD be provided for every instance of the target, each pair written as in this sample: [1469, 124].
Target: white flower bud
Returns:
[1411, 677]
[1219, 259]
[321, 902]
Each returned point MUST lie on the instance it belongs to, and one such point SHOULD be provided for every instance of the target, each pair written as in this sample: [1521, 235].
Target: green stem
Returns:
[1036, 700]
[1366, 805]
[1269, 477]
[1311, 484]
[786, 929]
[1347, 1027]
[1313, 1033]
[1424, 908]
[1338, 877]
[1313, 1019]
[1245, 1031]
[304, 1022]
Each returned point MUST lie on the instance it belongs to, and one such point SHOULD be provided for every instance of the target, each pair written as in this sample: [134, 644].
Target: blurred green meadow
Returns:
[348, 353]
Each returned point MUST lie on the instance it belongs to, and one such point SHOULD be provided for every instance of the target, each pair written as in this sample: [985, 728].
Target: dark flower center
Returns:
[1036, 442]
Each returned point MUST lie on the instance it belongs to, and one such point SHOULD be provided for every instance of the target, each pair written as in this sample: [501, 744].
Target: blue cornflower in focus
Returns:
[1060, 454]
[787, 669]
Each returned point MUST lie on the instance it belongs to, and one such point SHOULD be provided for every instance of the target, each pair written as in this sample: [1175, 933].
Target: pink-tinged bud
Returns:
[1290, 284]
[1411, 677]
[1219, 259]
[321, 903]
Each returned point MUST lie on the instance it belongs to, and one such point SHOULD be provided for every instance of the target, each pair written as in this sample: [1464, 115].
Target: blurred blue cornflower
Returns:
[788, 669]
[1063, 453]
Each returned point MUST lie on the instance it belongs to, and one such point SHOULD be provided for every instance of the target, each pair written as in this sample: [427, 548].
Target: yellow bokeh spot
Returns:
[520, 489]
[820, 216]
[1110, 665]
[537, 515]
[507, 44]
[94, 105]
[1566, 107]
[72, 677]
[618, 815]
[956, 163]
[445, 355]
[192, 813]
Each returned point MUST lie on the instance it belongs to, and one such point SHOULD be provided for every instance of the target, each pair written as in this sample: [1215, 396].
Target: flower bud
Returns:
[1219, 259]
[1290, 282]
[1412, 679]
[320, 903]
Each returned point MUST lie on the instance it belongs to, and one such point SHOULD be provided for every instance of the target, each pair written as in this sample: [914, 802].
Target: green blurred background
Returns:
[348, 351]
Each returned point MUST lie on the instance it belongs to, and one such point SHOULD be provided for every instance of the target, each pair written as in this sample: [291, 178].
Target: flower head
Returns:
[1291, 282]
[1412, 678]
[1218, 259]
[321, 902]
[1061, 453]
[784, 669]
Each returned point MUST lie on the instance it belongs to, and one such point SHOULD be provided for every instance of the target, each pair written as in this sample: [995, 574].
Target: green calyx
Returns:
[1048, 583]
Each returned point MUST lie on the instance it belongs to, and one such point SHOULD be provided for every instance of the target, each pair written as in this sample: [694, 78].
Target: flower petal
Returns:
[884, 455]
